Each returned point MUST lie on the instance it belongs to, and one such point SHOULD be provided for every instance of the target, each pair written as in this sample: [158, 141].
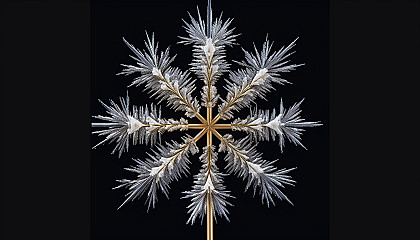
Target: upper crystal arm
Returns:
[163, 81]
[209, 41]
[255, 80]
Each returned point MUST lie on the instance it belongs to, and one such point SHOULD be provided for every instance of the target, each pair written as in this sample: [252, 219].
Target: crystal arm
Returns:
[237, 95]
[246, 162]
[141, 125]
[158, 171]
[163, 81]
[260, 125]
[208, 195]
[209, 40]
[261, 70]
[181, 96]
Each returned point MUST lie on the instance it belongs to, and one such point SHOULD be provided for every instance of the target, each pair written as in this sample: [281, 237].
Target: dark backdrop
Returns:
[45, 115]
[283, 21]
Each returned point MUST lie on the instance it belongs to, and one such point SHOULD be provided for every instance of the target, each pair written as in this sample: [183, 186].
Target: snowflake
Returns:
[261, 71]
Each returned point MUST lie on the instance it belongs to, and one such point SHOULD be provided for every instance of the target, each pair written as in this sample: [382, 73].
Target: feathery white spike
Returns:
[209, 49]
[260, 77]
[208, 184]
[276, 124]
[133, 125]
[255, 169]
[166, 162]
[256, 124]
[156, 72]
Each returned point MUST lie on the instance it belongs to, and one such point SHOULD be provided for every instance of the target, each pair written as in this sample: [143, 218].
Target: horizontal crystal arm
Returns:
[191, 126]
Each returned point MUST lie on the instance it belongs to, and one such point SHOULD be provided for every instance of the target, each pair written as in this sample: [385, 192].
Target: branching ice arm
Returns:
[246, 162]
[209, 40]
[261, 125]
[163, 81]
[158, 171]
[140, 125]
[261, 70]
[208, 186]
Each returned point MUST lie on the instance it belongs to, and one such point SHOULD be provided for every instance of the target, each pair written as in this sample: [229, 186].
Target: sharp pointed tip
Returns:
[125, 41]
[122, 204]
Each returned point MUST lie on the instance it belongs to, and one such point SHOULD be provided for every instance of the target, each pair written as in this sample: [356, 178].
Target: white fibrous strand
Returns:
[166, 164]
[161, 80]
[208, 181]
[260, 125]
[244, 160]
[141, 125]
[255, 80]
[259, 73]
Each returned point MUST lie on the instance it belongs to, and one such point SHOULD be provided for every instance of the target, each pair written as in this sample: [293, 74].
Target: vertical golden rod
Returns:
[209, 219]
[209, 111]
[209, 115]
[209, 200]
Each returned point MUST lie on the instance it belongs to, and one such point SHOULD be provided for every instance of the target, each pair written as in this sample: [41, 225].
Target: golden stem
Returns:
[196, 126]
[209, 218]
[200, 134]
[216, 119]
[222, 126]
[217, 134]
[209, 114]
[209, 200]
[209, 144]
[201, 118]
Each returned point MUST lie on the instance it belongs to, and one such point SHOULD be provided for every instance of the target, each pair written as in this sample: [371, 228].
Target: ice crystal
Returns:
[260, 73]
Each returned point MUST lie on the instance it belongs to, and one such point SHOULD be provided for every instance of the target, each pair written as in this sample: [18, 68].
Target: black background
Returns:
[284, 21]
[45, 92]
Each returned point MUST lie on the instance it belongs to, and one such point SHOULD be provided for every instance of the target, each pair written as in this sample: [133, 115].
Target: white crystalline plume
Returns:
[276, 124]
[209, 49]
[133, 125]
[260, 77]
[259, 73]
